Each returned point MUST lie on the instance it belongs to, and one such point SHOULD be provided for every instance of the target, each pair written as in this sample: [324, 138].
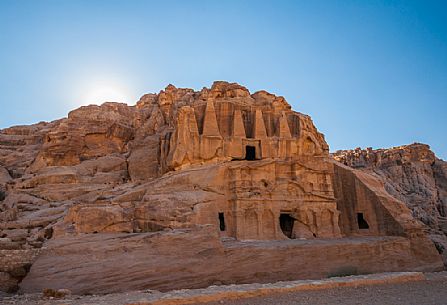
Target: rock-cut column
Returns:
[234, 147]
[259, 131]
[284, 130]
[185, 143]
[211, 143]
[238, 125]
[210, 127]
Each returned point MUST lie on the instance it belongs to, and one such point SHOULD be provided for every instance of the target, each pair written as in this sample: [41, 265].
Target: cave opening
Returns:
[361, 221]
[222, 221]
[250, 153]
[286, 223]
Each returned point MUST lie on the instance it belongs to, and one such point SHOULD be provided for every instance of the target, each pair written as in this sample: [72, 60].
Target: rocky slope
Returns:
[414, 175]
[117, 197]
[91, 172]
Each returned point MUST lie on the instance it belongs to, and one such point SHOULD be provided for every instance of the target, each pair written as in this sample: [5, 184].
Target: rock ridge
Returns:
[413, 174]
[184, 176]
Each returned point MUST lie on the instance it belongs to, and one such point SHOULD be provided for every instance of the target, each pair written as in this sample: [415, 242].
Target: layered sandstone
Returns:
[412, 174]
[110, 197]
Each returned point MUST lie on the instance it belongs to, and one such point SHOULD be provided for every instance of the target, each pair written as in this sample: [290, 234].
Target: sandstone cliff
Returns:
[412, 174]
[108, 198]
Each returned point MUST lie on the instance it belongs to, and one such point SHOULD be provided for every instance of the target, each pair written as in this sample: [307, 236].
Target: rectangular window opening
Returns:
[222, 221]
[250, 153]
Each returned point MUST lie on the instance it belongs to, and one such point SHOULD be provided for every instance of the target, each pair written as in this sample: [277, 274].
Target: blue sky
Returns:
[370, 73]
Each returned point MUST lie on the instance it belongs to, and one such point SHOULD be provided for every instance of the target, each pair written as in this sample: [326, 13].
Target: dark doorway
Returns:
[363, 224]
[286, 224]
[250, 153]
[222, 221]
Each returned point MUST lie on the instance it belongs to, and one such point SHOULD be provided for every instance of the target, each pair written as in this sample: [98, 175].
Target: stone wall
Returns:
[106, 263]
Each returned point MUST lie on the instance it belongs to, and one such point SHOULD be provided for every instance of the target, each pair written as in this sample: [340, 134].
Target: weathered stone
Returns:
[186, 180]
[4, 175]
[16, 234]
[103, 263]
[94, 219]
[413, 175]
[7, 282]
[58, 294]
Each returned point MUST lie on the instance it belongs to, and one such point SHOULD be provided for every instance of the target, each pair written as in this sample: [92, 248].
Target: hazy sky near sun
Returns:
[370, 73]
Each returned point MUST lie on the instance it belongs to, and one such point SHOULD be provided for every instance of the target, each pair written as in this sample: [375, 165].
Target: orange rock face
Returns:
[219, 175]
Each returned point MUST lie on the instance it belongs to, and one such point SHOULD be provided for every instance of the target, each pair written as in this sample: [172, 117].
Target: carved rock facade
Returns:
[414, 175]
[219, 175]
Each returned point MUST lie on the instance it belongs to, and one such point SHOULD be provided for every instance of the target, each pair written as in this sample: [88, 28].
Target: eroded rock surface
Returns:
[101, 200]
[412, 174]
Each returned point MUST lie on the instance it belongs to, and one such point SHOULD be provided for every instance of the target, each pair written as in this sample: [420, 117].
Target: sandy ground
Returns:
[431, 291]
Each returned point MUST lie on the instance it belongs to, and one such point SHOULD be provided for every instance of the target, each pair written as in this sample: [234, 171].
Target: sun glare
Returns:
[106, 94]
[99, 93]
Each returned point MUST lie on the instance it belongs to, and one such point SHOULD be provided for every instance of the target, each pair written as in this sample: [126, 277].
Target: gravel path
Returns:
[432, 291]
[429, 292]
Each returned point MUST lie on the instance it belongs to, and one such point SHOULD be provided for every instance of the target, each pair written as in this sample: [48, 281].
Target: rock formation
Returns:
[187, 189]
[414, 175]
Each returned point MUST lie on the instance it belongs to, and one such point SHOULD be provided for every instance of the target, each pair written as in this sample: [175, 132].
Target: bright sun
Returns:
[101, 92]
[106, 94]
